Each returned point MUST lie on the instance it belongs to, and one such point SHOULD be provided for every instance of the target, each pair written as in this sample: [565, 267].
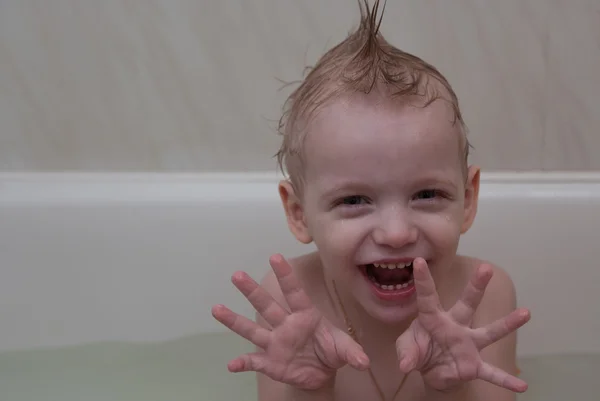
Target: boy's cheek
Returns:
[443, 231]
[447, 224]
[336, 236]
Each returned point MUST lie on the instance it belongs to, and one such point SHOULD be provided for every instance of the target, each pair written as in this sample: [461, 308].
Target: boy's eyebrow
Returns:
[356, 186]
[343, 186]
[436, 180]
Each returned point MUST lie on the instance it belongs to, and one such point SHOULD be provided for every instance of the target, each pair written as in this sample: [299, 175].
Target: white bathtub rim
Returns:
[112, 248]
[58, 188]
[270, 176]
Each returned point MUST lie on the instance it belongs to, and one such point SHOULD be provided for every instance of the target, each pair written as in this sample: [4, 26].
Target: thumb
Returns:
[408, 353]
[350, 352]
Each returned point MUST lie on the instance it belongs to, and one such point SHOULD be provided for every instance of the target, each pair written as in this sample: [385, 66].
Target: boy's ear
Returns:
[471, 198]
[294, 212]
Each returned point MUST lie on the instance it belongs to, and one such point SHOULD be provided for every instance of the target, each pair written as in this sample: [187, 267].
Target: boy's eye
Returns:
[428, 194]
[352, 200]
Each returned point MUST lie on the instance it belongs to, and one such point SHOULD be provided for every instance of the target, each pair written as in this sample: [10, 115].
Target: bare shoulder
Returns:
[499, 300]
[500, 296]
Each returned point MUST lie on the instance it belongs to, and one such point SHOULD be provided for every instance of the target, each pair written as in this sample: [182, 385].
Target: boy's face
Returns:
[385, 184]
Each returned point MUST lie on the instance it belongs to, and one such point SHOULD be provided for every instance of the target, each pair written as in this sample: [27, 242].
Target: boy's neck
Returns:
[373, 331]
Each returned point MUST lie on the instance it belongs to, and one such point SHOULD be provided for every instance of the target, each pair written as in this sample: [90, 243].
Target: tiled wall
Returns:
[190, 85]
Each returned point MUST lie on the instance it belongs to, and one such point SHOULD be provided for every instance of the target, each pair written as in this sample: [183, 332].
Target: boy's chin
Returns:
[392, 315]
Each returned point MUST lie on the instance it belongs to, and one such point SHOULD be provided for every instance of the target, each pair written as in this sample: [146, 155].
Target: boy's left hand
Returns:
[443, 347]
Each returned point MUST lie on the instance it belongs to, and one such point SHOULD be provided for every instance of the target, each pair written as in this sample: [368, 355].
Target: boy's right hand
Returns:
[302, 348]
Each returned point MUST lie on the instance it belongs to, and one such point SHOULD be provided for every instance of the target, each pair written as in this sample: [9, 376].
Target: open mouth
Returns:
[389, 277]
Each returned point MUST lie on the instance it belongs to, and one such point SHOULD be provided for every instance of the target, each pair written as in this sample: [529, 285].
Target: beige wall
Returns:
[176, 85]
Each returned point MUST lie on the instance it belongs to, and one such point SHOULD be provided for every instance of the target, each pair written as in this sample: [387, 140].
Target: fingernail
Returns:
[363, 360]
[238, 276]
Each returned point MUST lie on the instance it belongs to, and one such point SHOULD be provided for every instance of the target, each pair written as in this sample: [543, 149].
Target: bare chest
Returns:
[353, 385]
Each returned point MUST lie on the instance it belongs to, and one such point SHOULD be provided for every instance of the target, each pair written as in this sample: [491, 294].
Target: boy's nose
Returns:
[395, 232]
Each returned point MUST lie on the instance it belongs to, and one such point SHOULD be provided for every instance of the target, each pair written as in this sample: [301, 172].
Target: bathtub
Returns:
[107, 280]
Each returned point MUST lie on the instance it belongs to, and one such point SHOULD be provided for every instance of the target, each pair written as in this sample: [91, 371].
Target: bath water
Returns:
[188, 369]
[194, 369]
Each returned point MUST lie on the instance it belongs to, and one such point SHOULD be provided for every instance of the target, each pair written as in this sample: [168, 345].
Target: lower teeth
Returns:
[392, 286]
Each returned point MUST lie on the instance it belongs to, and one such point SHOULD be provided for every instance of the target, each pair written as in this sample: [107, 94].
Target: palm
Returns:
[301, 351]
[447, 356]
[301, 347]
[442, 345]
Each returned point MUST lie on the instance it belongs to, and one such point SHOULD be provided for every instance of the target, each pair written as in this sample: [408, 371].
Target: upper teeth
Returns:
[392, 265]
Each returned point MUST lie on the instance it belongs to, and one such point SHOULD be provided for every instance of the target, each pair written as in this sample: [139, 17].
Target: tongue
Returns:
[390, 276]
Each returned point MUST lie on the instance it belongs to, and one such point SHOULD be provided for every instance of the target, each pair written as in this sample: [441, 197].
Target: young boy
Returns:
[376, 152]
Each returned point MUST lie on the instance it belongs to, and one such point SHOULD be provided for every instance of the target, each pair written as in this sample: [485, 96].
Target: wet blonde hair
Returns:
[361, 63]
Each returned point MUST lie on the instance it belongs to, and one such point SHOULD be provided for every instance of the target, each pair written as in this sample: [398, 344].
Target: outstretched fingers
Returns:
[484, 336]
[464, 309]
[427, 297]
[260, 299]
[290, 286]
[241, 325]
[252, 362]
[500, 378]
